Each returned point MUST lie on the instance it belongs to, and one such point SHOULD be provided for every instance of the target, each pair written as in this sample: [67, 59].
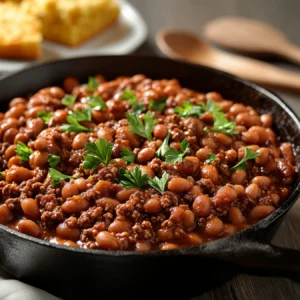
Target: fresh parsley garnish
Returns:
[23, 151]
[159, 184]
[129, 95]
[133, 179]
[141, 128]
[221, 124]
[249, 154]
[161, 152]
[158, 105]
[44, 115]
[172, 155]
[97, 153]
[138, 108]
[96, 102]
[53, 160]
[1, 175]
[189, 110]
[127, 155]
[83, 115]
[210, 158]
[58, 177]
[92, 83]
[73, 125]
[68, 100]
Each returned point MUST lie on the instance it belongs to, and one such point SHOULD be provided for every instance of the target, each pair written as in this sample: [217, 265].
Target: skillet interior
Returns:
[34, 260]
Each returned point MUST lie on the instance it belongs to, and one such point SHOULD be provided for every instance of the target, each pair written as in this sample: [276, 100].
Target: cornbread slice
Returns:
[20, 33]
[72, 22]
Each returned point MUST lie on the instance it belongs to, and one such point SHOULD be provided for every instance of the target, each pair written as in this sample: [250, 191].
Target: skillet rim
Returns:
[263, 224]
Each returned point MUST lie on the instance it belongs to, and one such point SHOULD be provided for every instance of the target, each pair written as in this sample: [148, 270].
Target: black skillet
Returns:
[83, 274]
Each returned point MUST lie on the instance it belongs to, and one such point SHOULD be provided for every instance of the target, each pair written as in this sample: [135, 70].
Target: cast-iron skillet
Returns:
[80, 273]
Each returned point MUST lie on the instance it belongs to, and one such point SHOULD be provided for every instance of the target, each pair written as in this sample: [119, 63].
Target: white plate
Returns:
[122, 38]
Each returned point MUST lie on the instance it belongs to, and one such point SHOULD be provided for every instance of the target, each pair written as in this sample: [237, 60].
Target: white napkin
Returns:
[11, 289]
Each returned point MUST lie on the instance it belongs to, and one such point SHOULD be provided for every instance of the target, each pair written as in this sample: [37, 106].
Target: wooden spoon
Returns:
[251, 36]
[187, 46]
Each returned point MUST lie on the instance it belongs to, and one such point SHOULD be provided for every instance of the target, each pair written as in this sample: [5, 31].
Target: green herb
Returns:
[138, 108]
[96, 102]
[211, 106]
[172, 155]
[23, 151]
[129, 95]
[189, 110]
[81, 116]
[73, 126]
[1, 175]
[133, 179]
[53, 160]
[68, 100]
[161, 152]
[127, 155]
[249, 154]
[92, 83]
[141, 128]
[57, 176]
[97, 153]
[158, 105]
[44, 115]
[210, 158]
[221, 124]
[159, 184]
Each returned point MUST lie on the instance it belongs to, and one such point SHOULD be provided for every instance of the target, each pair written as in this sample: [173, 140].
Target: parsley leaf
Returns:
[82, 116]
[73, 126]
[141, 128]
[161, 152]
[44, 115]
[53, 160]
[189, 110]
[57, 176]
[127, 155]
[212, 107]
[133, 179]
[129, 95]
[249, 154]
[158, 105]
[210, 158]
[68, 100]
[221, 124]
[97, 153]
[92, 83]
[138, 108]
[96, 102]
[1, 175]
[159, 184]
[23, 151]
[172, 155]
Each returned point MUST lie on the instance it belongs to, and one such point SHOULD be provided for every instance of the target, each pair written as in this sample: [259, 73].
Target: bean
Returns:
[100, 116]
[179, 185]
[226, 105]
[16, 111]
[266, 120]
[10, 152]
[214, 227]
[14, 161]
[286, 150]
[235, 215]
[75, 204]
[275, 199]
[195, 191]
[70, 83]
[238, 176]
[60, 116]
[118, 226]
[263, 156]
[5, 214]
[222, 139]
[160, 131]
[260, 212]
[64, 242]
[240, 190]
[210, 172]
[125, 194]
[208, 142]
[165, 234]
[38, 159]
[30, 208]
[40, 144]
[69, 190]
[256, 135]
[17, 101]
[237, 108]
[193, 238]
[247, 120]
[142, 246]
[105, 133]
[9, 123]
[271, 135]
[177, 214]
[80, 141]
[64, 232]
[214, 96]
[225, 195]
[35, 125]
[108, 204]
[147, 170]
[188, 220]
[18, 174]
[153, 206]
[231, 155]
[202, 153]
[270, 166]
[124, 133]
[263, 182]
[81, 184]
[202, 206]
[169, 246]
[29, 227]
[107, 241]
[103, 187]
[9, 135]
[21, 137]
[194, 125]
[33, 111]
[253, 191]
[229, 229]
[190, 166]
[145, 155]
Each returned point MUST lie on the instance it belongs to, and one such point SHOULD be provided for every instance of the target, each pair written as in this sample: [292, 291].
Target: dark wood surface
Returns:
[192, 15]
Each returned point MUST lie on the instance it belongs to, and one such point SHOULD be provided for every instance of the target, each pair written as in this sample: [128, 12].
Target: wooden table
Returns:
[192, 15]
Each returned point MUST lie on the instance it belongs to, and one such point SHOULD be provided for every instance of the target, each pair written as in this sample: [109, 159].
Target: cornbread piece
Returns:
[72, 22]
[20, 33]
